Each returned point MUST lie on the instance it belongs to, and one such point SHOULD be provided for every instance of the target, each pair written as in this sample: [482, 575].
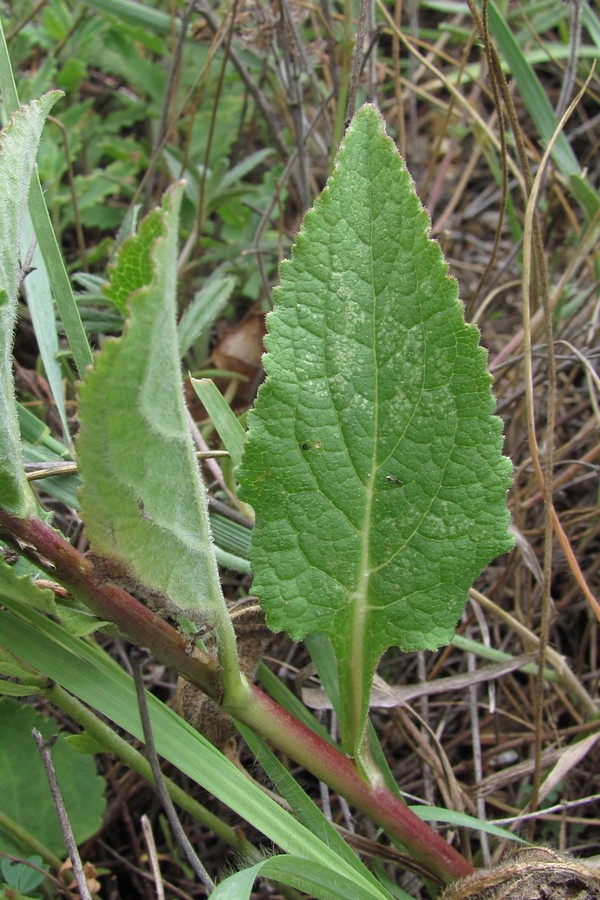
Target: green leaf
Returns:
[16, 688]
[306, 811]
[84, 743]
[18, 146]
[203, 310]
[26, 797]
[131, 11]
[134, 266]
[222, 416]
[22, 588]
[40, 304]
[21, 877]
[142, 498]
[462, 820]
[373, 458]
[540, 109]
[313, 878]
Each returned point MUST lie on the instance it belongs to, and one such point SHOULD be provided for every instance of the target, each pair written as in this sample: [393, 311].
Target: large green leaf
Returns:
[18, 146]
[143, 501]
[373, 458]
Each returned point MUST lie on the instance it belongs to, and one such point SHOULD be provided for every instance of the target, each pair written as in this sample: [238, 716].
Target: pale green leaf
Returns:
[373, 459]
[84, 743]
[18, 146]
[142, 498]
[138, 13]
[16, 688]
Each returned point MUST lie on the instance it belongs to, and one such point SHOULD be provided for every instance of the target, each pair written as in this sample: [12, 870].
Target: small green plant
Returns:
[373, 462]
[19, 881]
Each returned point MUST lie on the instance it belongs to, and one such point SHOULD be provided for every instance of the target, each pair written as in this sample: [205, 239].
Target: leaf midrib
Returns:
[359, 600]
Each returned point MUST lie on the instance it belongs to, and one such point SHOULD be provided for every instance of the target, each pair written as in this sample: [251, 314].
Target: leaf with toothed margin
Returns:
[373, 458]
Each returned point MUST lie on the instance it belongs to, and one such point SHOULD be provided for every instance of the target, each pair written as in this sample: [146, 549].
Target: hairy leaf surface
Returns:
[373, 458]
[142, 499]
[18, 147]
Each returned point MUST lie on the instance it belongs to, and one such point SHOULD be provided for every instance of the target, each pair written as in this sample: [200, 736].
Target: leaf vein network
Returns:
[419, 522]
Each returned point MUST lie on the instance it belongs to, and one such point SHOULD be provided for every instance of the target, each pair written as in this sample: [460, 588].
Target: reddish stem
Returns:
[338, 771]
[53, 553]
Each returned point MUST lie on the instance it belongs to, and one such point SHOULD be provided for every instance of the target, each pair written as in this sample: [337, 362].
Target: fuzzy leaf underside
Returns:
[373, 459]
[142, 499]
[18, 147]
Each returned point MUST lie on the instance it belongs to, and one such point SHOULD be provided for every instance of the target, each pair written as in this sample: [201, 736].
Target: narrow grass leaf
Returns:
[43, 317]
[282, 695]
[462, 820]
[539, 108]
[591, 21]
[534, 96]
[138, 13]
[60, 282]
[312, 878]
[231, 561]
[304, 808]
[570, 757]
[394, 890]
[231, 536]
[223, 418]
[373, 459]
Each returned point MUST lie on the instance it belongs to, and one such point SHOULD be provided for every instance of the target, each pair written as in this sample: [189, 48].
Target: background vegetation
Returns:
[248, 101]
